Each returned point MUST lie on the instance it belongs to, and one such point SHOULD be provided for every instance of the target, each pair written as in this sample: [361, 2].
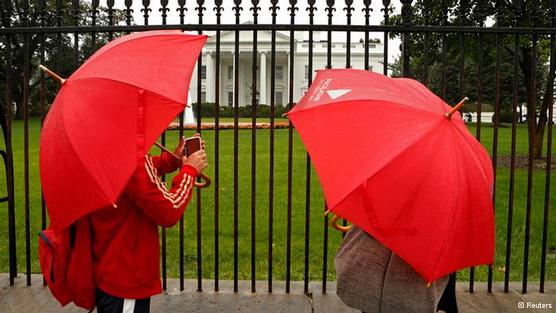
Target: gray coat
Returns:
[373, 279]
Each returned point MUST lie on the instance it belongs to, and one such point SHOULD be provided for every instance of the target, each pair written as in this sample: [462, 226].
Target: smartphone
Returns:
[192, 145]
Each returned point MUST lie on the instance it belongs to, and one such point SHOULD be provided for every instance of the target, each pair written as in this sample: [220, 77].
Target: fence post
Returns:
[407, 20]
[7, 155]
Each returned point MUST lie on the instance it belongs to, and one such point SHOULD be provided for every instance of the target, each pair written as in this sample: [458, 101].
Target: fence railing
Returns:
[62, 34]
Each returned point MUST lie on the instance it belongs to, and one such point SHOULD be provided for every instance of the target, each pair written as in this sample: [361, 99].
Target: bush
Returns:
[505, 116]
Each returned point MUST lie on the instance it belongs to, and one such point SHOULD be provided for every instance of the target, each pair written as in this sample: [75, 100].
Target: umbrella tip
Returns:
[428, 285]
[448, 115]
[115, 205]
[52, 74]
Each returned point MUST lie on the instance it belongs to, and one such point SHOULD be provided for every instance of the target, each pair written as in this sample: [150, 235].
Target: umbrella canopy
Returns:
[392, 163]
[107, 114]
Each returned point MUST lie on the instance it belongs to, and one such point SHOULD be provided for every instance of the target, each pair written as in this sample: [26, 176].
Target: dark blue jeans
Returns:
[110, 304]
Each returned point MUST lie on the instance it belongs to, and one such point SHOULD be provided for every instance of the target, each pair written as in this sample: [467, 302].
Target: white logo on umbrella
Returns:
[336, 93]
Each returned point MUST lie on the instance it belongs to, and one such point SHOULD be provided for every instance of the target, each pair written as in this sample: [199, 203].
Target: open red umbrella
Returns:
[107, 114]
[392, 162]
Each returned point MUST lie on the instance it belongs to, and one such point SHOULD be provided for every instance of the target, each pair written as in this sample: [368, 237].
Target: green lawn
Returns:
[280, 211]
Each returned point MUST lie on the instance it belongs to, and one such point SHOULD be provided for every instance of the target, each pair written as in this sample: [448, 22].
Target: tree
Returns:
[59, 49]
[426, 55]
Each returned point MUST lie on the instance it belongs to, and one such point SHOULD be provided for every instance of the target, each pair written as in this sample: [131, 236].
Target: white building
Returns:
[301, 60]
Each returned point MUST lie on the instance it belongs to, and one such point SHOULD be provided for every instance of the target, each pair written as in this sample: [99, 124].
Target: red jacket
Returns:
[126, 249]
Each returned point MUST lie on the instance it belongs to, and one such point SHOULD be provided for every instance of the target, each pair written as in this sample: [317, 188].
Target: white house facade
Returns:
[282, 70]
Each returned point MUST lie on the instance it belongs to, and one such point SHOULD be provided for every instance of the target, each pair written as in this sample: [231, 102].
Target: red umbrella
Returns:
[392, 162]
[107, 114]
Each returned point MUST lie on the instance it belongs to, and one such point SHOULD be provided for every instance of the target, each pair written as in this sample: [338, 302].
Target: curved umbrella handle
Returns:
[206, 181]
[336, 226]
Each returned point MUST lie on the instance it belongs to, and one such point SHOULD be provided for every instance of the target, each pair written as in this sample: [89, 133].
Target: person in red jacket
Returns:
[125, 237]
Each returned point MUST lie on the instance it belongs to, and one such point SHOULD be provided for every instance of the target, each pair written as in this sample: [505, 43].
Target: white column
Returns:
[262, 82]
[209, 82]
[234, 75]
[286, 73]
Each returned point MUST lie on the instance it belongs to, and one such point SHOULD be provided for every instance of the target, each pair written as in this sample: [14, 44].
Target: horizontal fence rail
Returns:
[262, 217]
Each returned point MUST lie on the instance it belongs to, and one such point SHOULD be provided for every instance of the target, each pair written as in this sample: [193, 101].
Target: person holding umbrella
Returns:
[102, 189]
[412, 179]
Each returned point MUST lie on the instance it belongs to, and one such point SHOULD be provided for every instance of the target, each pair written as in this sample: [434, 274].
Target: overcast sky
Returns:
[302, 17]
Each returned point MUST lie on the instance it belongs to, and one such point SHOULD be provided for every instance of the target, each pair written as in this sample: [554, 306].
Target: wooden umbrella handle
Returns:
[335, 225]
[206, 180]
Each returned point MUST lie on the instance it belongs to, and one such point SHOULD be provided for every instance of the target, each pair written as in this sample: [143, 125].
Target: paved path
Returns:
[21, 298]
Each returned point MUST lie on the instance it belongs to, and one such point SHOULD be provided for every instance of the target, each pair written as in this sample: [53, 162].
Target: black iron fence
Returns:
[63, 33]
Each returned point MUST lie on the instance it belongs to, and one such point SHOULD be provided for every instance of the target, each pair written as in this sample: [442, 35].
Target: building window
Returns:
[306, 72]
[279, 98]
[203, 72]
[279, 72]
[203, 97]
[230, 72]
[230, 99]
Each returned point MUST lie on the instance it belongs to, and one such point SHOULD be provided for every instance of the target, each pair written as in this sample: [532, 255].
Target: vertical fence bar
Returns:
[255, 9]
[531, 118]
[444, 48]
[7, 128]
[128, 12]
[42, 92]
[481, 10]
[163, 238]
[291, 67]
[146, 10]
[218, 9]
[517, 11]
[479, 110]
[25, 103]
[59, 13]
[462, 18]
[75, 11]
[496, 124]
[200, 8]
[110, 6]
[406, 43]
[367, 11]
[163, 10]
[330, 12]
[349, 9]
[273, 10]
[181, 9]
[94, 15]
[426, 38]
[386, 9]
[311, 9]
[237, 8]
[548, 150]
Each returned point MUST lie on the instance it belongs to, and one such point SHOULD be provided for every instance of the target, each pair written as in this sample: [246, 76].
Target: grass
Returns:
[316, 243]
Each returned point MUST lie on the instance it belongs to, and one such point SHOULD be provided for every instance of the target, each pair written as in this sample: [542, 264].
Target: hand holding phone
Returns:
[192, 145]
